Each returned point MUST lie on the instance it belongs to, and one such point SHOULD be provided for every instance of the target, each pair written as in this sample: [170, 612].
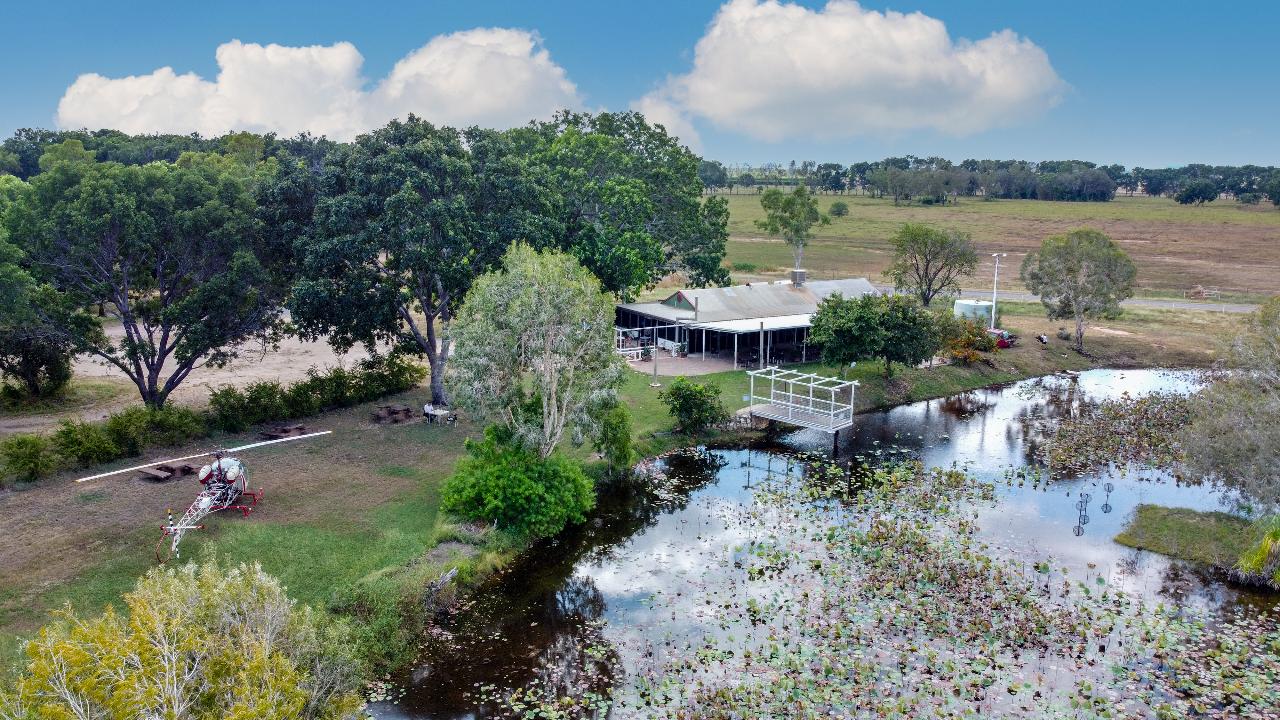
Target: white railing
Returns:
[804, 399]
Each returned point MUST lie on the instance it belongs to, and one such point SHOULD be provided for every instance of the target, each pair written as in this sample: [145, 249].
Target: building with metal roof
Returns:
[711, 320]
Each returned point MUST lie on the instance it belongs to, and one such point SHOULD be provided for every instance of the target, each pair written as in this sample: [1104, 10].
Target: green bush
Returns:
[85, 443]
[234, 410]
[744, 267]
[172, 425]
[264, 401]
[229, 409]
[134, 429]
[614, 440]
[695, 406]
[298, 401]
[839, 208]
[28, 457]
[520, 492]
[128, 429]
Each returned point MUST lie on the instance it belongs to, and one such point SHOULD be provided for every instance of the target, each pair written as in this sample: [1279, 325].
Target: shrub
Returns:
[85, 443]
[614, 440]
[172, 425]
[1063, 334]
[839, 208]
[1249, 198]
[264, 401]
[134, 429]
[520, 492]
[28, 457]
[234, 410]
[229, 409]
[298, 401]
[128, 430]
[695, 406]
[744, 267]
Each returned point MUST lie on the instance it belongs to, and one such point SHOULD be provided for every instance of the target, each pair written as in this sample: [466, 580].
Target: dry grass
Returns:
[1222, 244]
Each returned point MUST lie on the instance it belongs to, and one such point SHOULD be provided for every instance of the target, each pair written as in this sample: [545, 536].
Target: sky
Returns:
[1149, 84]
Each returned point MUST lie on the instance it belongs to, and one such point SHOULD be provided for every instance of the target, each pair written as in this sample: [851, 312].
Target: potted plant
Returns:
[683, 349]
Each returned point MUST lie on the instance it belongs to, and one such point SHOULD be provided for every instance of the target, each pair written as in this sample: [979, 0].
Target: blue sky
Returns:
[1140, 83]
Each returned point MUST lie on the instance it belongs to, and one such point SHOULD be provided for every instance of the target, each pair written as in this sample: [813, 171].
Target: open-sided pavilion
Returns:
[756, 324]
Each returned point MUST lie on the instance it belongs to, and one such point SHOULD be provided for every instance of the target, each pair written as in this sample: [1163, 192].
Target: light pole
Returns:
[995, 285]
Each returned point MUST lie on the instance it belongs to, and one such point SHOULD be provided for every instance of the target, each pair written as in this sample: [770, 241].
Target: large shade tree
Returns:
[535, 348]
[1079, 276]
[407, 217]
[928, 261]
[171, 248]
[630, 202]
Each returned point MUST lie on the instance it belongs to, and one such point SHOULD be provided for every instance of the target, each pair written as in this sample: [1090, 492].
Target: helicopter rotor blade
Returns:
[140, 467]
[278, 440]
[200, 455]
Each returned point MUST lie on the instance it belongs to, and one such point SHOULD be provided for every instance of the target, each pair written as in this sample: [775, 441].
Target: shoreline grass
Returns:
[1212, 538]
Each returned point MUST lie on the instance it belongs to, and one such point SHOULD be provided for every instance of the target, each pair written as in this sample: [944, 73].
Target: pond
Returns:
[648, 571]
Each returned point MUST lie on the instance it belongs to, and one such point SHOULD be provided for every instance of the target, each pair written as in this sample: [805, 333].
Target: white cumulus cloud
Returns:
[772, 70]
[493, 77]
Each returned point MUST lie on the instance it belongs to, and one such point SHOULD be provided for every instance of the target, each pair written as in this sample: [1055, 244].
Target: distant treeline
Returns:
[20, 153]
[935, 180]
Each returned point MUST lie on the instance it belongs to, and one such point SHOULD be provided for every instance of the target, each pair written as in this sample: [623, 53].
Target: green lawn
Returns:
[1210, 538]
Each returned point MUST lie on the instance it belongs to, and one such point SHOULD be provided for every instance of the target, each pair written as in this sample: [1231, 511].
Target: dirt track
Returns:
[287, 364]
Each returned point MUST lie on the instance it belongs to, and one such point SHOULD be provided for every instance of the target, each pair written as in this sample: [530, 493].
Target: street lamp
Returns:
[995, 284]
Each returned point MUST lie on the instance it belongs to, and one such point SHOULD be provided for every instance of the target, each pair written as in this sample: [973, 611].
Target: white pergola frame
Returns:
[804, 399]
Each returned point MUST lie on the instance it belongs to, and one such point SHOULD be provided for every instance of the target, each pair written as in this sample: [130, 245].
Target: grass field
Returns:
[1176, 247]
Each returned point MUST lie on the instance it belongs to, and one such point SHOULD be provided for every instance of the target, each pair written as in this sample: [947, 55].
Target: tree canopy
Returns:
[407, 217]
[1245, 407]
[173, 248]
[791, 215]
[629, 200]
[928, 262]
[1079, 276]
[535, 348]
[1197, 192]
[891, 328]
[197, 643]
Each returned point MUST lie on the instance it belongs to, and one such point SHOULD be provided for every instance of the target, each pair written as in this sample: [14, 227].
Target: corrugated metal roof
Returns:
[756, 300]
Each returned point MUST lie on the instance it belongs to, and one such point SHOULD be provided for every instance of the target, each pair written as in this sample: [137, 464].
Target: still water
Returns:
[575, 612]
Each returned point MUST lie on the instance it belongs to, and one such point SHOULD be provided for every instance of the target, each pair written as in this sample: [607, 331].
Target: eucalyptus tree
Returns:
[791, 215]
[928, 261]
[535, 348]
[1079, 276]
[406, 218]
[171, 248]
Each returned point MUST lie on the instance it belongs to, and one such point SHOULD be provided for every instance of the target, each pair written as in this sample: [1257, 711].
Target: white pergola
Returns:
[803, 399]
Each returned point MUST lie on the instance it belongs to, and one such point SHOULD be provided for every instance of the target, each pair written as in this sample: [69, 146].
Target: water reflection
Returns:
[574, 613]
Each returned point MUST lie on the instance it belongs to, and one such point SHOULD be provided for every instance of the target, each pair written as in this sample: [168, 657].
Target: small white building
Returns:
[758, 323]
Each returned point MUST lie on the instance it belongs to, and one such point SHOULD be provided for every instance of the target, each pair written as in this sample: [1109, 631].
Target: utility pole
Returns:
[995, 286]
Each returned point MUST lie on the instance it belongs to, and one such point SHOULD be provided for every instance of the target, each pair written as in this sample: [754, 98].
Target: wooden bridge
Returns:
[802, 399]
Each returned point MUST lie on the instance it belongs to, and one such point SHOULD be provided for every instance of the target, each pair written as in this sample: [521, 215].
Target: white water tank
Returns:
[979, 311]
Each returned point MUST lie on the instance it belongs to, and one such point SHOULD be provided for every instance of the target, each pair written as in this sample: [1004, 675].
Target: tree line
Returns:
[198, 247]
[936, 180]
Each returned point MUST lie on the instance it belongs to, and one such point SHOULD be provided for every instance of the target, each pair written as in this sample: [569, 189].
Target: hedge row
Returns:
[232, 409]
[28, 457]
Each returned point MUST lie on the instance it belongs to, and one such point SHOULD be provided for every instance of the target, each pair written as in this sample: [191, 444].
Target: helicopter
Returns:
[226, 487]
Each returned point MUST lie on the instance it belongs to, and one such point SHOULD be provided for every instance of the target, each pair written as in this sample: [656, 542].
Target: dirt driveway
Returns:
[285, 365]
